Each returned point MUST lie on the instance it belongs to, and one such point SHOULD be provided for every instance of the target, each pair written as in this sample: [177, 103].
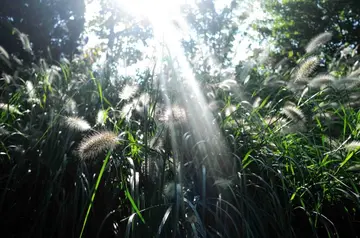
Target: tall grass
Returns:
[80, 159]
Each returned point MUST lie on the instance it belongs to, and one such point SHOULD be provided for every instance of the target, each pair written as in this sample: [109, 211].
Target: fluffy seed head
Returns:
[175, 114]
[307, 68]
[77, 124]
[321, 81]
[101, 117]
[24, 41]
[354, 73]
[126, 111]
[30, 89]
[318, 41]
[10, 108]
[216, 105]
[142, 103]
[7, 78]
[128, 92]
[346, 83]
[170, 189]
[227, 84]
[229, 110]
[354, 145]
[70, 106]
[4, 52]
[256, 102]
[293, 113]
[92, 146]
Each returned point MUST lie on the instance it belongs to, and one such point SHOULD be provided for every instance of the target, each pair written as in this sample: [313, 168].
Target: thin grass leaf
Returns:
[133, 204]
[94, 192]
[163, 221]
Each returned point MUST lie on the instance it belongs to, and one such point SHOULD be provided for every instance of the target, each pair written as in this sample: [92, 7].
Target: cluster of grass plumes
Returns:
[292, 151]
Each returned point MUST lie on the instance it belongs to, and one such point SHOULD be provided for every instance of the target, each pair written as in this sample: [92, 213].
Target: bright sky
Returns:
[162, 12]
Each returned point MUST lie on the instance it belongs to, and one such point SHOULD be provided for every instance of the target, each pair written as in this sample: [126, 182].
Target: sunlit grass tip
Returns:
[10, 108]
[307, 68]
[142, 103]
[4, 52]
[77, 124]
[318, 41]
[126, 111]
[293, 113]
[128, 92]
[321, 81]
[227, 84]
[352, 146]
[101, 117]
[91, 146]
[354, 73]
[229, 110]
[174, 114]
[71, 106]
[30, 89]
[7, 78]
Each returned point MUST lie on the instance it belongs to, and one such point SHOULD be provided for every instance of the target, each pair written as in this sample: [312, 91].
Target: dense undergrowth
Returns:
[85, 156]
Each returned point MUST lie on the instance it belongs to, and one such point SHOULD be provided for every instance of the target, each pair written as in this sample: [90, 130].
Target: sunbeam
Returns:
[170, 28]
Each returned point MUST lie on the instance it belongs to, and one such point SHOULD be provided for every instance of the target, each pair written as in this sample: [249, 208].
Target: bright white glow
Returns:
[162, 14]
[157, 11]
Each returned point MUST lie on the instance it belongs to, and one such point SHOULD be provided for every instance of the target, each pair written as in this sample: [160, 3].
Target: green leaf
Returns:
[291, 54]
[134, 205]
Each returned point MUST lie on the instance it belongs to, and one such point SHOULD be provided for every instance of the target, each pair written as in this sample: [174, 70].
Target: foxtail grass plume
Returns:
[17, 60]
[323, 116]
[53, 74]
[24, 41]
[142, 103]
[229, 110]
[126, 111]
[10, 108]
[144, 98]
[318, 41]
[30, 89]
[7, 78]
[223, 183]
[128, 92]
[354, 73]
[227, 84]
[4, 53]
[256, 102]
[352, 146]
[211, 95]
[216, 105]
[293, 113]
[170, 189]
[321, 81]
[91, 146]
[77, 124]
[175, 114]
[346, 83]
[101, 117]
[307, 68]
[157, 143]
[270, 121]
[71, 107]
[354, 168]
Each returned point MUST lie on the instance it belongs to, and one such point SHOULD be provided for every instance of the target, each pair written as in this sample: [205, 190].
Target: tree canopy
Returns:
[50, 27]
[296, 21]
